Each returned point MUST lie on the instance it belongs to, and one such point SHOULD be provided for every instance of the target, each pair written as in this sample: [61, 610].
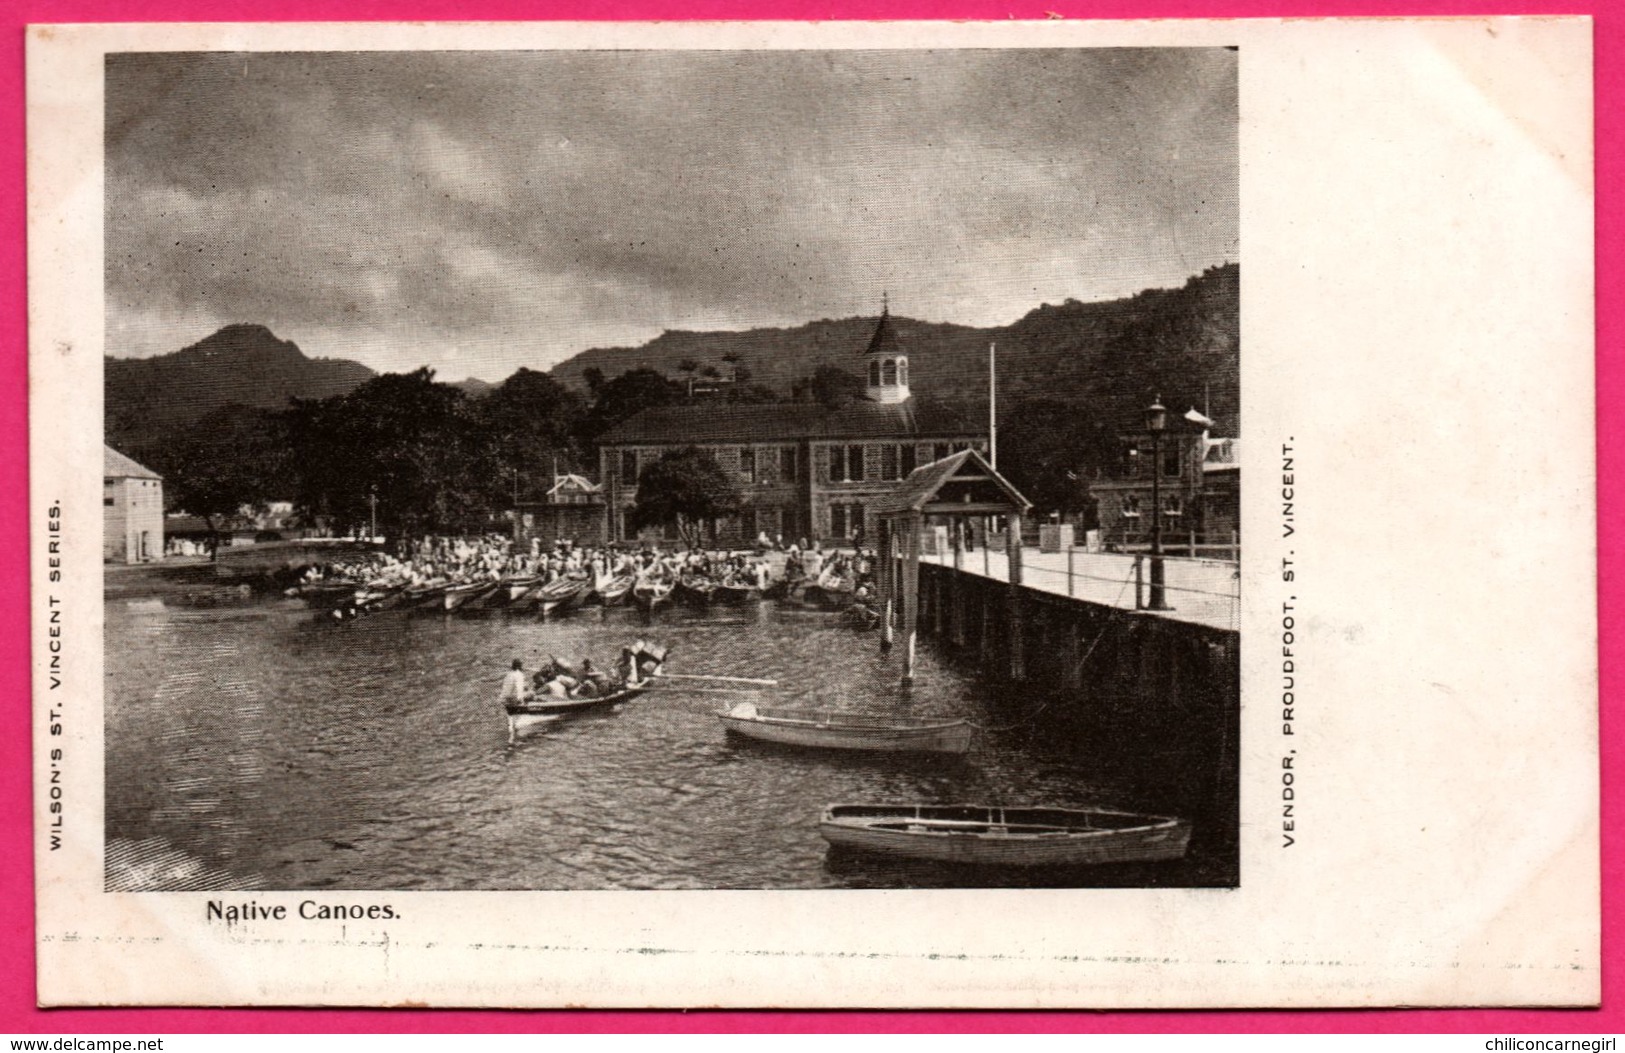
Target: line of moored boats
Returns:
[350, 597]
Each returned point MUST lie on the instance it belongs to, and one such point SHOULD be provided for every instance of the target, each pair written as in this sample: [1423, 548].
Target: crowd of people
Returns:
[771, 568]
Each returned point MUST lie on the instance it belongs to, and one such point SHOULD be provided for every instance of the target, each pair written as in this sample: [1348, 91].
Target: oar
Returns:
[721, 679]
[685, 689]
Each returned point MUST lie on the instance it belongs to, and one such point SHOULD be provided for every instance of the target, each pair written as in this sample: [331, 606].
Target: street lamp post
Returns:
[1156, 418]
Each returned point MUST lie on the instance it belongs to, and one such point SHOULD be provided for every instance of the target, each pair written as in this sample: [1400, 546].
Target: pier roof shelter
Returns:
[960, 486]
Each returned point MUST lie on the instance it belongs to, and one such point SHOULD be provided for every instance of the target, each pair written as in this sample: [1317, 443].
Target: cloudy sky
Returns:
[481, 212]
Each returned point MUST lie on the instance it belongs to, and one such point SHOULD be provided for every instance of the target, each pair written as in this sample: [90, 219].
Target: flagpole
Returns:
[992, 406]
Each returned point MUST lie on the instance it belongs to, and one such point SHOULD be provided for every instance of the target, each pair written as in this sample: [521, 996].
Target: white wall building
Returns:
[132, 510]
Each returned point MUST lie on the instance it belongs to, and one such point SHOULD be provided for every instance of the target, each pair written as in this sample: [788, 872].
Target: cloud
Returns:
[520, 207]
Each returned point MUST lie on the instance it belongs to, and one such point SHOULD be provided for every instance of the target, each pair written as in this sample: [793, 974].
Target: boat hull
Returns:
[814, 729]
[556, 599]
[556, 706]
[1014, 837]
[330, 597]
[460, 595]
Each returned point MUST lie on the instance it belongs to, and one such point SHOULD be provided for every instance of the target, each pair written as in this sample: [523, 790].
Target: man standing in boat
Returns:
[515, 687]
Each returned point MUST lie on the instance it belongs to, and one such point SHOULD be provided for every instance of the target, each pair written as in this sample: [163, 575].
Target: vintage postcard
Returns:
[773, 515]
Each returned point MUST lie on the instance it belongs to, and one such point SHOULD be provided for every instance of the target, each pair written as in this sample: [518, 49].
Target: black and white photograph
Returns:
[628, 470]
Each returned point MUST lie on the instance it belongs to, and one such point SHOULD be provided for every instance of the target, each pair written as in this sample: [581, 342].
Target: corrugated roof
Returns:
[117, 466]
[785, 422]
[923, 483]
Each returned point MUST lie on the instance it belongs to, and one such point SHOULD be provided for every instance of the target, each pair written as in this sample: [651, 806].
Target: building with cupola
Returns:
[804, 471]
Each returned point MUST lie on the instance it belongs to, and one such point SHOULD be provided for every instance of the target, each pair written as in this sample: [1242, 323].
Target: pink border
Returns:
[17, 1014]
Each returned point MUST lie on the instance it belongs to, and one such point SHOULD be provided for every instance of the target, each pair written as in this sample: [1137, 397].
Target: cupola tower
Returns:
[886, 362]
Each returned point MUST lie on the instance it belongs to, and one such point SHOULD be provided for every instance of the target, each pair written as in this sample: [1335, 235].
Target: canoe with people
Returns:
[559, 688]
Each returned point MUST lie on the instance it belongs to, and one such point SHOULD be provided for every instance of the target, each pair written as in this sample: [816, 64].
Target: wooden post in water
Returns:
[956, 587]
[888, 582]
[911, 591]
[1012, 552]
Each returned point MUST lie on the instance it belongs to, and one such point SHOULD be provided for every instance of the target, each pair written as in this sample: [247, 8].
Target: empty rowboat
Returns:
[826, 729]
[559, 596]
[994, 836]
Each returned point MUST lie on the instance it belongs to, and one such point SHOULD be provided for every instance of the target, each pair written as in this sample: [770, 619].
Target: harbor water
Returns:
[258, 747]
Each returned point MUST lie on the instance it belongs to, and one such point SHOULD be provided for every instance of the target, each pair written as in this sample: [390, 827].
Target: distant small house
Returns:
[132, 510]
[572, 508]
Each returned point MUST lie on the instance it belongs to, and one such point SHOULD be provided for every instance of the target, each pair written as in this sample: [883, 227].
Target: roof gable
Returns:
[964, 478]
[117, 466]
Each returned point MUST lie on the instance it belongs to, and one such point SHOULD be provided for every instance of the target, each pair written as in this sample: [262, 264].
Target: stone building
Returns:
[804, 471]
[132, 510]
[1199, 490]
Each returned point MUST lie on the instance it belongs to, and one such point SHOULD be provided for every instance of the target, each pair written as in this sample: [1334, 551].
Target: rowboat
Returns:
[493, 594]
[994, 836]
[545, 707]
[696, 590]
[650, 593]
[642, 664]
[824, 729]
[614, 590]
[380, 597]
[329, 595]
[457, 596]
[559, 596]
[833, 593]
[516, 588]
[425, 595]
[732, 592]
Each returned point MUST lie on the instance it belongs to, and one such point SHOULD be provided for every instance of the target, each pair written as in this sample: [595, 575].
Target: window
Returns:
[941, 450]
[1131, 462]
[846, 464]
[888, 372]
[888, 462]
[902, 371]
[629, 467]
[874, 373]
[108, 501]
[1170, 463]
[747, 464]
[845, 521]
[787, 463]
[907, 453]
[1171, 506]
[1131, 507]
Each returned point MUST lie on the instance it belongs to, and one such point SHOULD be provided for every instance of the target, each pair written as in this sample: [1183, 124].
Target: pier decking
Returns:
[1201, 591]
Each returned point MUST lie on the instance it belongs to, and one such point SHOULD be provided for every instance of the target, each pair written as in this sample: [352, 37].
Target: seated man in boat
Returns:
[515, 687]
[592, 682]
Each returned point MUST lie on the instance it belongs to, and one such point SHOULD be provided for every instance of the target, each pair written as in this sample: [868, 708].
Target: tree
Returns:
[528, 424]
[1049, 450]
[686, 489]
[830, 386]
[413, 444]
[225, 467]
[630, 393]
